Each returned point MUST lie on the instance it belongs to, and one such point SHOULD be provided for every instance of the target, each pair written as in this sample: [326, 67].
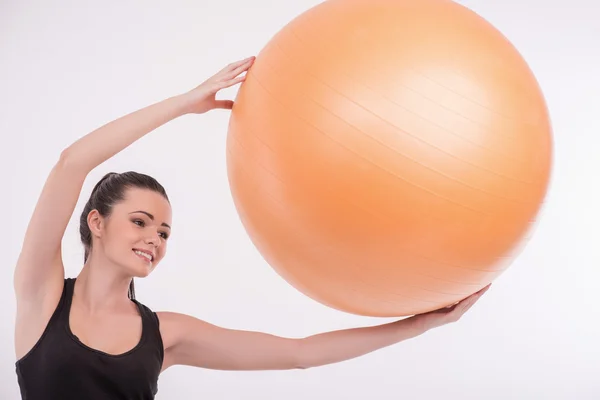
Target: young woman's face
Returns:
[136, 233]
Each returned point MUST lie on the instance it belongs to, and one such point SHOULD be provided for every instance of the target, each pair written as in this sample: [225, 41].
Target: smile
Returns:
[144, 255]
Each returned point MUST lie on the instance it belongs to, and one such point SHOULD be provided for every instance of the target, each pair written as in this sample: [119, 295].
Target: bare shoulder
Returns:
[175, 327]
[181, 334]
[168, 322]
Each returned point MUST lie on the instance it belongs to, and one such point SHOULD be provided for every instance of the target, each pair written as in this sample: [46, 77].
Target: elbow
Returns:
[301, 364]
[302, 357]
[66, 158]
[69, 160]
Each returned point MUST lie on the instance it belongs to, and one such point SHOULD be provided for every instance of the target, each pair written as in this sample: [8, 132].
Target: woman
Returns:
[89, 337]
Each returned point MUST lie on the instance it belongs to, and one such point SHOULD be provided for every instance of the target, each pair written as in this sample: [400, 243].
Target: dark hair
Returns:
[109, 191]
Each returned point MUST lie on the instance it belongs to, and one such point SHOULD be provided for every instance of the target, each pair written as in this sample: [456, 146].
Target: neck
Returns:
[98, 288]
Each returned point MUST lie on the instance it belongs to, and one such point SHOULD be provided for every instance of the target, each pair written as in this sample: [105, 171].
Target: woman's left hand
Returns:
[203, 98]
[453, 313]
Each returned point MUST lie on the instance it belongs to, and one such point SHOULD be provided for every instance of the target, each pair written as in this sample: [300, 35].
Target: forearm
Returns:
[103, 143]
[341, 345]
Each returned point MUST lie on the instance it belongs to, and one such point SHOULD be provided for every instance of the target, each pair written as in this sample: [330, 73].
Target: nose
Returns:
[153, 239]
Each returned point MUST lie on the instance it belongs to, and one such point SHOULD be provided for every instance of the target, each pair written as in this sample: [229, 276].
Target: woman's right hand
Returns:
[203, 98]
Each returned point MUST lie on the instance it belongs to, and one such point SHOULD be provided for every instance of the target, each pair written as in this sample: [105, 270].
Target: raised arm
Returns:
[39, 271]
[190, 341]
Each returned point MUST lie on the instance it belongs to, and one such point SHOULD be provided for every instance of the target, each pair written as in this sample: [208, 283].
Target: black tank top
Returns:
[60, 366]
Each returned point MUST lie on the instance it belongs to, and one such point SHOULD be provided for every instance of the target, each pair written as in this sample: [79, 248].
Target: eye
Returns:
[138, 222]
[165, 235]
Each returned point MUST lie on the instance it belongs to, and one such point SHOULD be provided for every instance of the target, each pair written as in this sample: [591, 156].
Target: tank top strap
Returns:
[151, 327]
[64, 305]
[149, 318]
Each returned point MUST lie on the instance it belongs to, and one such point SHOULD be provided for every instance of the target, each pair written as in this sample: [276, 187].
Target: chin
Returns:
[144, 271]
[140, 268]
[139, 273]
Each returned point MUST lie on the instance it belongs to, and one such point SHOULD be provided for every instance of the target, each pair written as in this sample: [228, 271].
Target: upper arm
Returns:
[39, 270]
[193, 342]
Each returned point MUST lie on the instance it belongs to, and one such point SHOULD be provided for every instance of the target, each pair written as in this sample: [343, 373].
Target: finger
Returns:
[237, 64]
[224, 104]
[477, 294]
[232, 82]
[240, 69]
[471, 300]
[483, 290]
[468, 304]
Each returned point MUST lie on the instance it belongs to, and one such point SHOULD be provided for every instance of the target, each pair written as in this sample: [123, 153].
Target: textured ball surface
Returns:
[389, 157]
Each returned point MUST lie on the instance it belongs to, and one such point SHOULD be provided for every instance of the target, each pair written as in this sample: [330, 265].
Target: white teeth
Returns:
[148, 256]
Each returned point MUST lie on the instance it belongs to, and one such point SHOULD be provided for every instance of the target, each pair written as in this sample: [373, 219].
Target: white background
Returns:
[67, 67]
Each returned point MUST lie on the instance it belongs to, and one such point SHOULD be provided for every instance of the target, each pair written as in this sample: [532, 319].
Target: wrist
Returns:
[183, 103]
[421, 323]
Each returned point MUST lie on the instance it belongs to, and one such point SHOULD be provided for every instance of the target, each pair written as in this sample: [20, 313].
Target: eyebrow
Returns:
[151, 217]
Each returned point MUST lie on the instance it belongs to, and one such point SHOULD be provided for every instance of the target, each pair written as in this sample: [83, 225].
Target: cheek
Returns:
[119, 244]
[122, 239]
[162, 250]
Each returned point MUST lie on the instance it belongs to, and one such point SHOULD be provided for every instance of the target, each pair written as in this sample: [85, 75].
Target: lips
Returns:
[145, 254]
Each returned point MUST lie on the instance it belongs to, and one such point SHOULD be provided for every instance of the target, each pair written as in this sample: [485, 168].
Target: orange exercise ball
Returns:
[389, 157]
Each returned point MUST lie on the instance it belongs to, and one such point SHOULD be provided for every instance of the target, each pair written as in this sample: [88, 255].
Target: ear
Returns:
[96, 223]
